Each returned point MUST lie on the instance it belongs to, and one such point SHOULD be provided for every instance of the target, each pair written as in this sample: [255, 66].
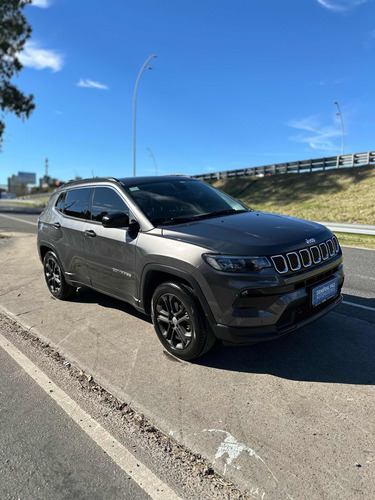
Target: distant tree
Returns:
[14, 31]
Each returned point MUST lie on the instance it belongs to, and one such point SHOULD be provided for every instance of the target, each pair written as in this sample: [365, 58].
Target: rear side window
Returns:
[60, 202]
[106, 202]
[76, 203]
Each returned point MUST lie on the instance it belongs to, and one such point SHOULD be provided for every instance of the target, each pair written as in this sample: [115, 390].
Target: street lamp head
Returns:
[335, 102]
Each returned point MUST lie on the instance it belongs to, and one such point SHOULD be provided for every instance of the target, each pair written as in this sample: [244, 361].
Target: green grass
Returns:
[356, 240]
[338, 195]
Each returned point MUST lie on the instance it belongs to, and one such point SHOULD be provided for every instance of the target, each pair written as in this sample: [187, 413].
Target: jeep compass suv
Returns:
[204, 265]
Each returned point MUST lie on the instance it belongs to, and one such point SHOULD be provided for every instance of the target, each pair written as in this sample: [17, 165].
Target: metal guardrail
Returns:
[326, 163]
[340, 227]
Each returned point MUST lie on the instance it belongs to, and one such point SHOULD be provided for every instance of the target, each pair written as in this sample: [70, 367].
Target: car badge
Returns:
[310, 240]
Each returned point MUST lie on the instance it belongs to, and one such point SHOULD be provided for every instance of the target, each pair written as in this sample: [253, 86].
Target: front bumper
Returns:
[271, 312]
[242, 336]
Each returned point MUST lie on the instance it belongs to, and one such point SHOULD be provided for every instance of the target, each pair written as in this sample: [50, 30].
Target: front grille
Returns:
[331, 248]
[293, 260]
[336, 244]
[315, 255]
[324, 251]
[280, 263]
[306, 257]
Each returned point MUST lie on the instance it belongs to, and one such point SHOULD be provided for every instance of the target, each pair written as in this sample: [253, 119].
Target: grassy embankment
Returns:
[342, 195]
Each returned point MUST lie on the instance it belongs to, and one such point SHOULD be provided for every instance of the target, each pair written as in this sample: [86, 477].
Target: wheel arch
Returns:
[156, 274]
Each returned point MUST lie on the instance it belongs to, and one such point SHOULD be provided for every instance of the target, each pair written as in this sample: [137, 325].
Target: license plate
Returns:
[323, 292]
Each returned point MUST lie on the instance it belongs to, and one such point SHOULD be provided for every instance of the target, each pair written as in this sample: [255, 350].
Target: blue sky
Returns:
[236, 83]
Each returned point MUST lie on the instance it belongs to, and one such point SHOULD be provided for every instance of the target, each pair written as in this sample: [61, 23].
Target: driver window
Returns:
[106, 202]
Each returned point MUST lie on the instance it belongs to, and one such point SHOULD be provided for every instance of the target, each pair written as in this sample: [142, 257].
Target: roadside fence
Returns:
[331, 162]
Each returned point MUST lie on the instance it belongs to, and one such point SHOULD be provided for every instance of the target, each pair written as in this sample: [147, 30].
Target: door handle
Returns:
[57, 225]
[90, 232]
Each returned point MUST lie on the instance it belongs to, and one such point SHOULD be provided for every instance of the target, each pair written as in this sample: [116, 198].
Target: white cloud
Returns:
[34, 57]
[317, 136]
[41, 3]
[90, 84]
[340, 5]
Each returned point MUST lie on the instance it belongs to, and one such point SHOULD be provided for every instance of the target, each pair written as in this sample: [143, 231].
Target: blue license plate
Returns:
[323, 292]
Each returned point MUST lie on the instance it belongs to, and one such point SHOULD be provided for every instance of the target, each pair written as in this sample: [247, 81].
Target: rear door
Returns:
[63, 229]
[110, 252]
[66, 232]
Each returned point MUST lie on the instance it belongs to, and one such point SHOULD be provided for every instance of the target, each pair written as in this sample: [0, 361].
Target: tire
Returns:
[55, 280]
[179, 322]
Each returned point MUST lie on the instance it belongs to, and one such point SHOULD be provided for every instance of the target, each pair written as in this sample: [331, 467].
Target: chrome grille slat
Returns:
[294, 261]
[306, 257]
[280, 263]
[324, 251]
[331, 248]
[315, 252]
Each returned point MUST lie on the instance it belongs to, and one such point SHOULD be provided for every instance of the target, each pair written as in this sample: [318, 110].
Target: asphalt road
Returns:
[44, 454]
[18, 219]
[287, 419]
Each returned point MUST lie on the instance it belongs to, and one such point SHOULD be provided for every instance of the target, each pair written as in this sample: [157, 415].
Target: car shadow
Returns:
[336, 349]
[87, 295]
[360, 301]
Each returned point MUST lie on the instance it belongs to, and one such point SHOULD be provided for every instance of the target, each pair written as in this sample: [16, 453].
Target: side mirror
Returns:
[117, 219]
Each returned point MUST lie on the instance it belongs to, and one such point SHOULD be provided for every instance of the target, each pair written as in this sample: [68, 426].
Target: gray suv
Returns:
[204, 265]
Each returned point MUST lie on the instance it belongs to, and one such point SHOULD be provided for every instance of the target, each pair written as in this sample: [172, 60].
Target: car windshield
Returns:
[181, 200]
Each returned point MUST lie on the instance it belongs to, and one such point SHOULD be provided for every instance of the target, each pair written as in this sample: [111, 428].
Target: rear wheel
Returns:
[179, 322]
[55, 280]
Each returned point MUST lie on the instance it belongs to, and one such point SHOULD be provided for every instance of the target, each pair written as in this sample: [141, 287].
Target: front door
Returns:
[110, 252]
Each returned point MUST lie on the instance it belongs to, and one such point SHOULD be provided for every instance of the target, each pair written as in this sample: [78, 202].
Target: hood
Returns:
[249, 233]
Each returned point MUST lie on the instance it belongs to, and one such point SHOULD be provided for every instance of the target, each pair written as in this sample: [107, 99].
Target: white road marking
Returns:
[358, 305]
[18, 220]
[143, 476]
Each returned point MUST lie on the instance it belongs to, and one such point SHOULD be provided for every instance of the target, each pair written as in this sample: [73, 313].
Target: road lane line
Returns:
[143, 476]
[17, 219]
[358, 305]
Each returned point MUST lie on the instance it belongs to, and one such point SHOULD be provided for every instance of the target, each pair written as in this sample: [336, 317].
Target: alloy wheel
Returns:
[174, 321]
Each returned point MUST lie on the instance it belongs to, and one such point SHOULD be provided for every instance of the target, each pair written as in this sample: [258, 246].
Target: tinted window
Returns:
[76, 203]
[180, 198]
[60, 202]
[105, 202]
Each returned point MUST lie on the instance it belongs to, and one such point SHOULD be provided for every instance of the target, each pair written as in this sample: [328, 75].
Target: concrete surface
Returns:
[289, 419]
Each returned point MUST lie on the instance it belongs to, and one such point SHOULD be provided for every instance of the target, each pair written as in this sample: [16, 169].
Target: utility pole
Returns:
[46, 174]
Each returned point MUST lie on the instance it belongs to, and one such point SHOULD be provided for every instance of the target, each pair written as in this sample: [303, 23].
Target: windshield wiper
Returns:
[181, 220]
[172, 220]
[219, 213]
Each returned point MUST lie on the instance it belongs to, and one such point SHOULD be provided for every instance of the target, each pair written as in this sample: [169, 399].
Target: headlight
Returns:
[236, 264]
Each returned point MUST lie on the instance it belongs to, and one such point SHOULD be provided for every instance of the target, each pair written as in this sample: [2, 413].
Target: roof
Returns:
[125, 181]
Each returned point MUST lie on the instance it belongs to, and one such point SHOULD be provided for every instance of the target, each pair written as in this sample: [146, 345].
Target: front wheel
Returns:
[179, 322]
[55, 280]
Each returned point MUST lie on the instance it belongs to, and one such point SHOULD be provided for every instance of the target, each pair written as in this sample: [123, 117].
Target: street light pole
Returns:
[135, 108]
[342, 126]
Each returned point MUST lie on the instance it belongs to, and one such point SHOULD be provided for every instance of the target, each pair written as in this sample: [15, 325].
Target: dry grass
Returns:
[338, 195]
